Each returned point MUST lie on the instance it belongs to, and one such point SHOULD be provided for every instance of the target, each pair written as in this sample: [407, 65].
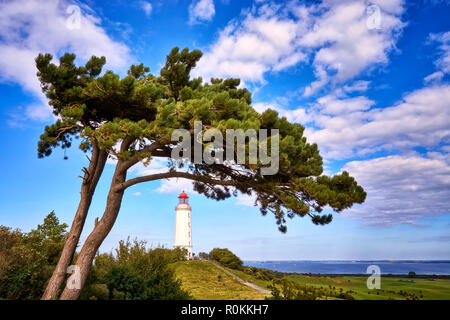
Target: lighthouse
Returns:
[183, 235]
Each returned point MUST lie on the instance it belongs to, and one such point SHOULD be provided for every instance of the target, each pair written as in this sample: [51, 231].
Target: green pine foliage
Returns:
[102, 109]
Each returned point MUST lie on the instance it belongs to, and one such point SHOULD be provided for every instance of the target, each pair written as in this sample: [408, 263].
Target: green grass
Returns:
[424, 289]
[201, 279]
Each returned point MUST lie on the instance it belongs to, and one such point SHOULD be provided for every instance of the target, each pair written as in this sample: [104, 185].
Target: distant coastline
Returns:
[395, 267]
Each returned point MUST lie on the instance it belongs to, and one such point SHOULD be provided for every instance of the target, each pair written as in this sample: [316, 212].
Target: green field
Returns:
[391, 287]
[201, 279]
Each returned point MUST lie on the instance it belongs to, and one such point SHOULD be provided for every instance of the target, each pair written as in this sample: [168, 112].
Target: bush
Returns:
[263, 274]
[27, 260]
[285, 289]
[226, 258]
[203, 256]
[135, 273]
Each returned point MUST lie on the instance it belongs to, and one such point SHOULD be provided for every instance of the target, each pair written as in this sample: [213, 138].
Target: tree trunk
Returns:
[96, 237]
[90, 180]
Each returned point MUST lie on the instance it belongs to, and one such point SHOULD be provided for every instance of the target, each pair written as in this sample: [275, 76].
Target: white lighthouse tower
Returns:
[183, 236]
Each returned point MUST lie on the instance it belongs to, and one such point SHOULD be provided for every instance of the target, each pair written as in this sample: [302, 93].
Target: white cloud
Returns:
[390, 6]
[346, 46]
[334, 35]
[245, 200]
[357, 86]
[330, 105]
[323, 79]
[346, 127]
[263, 41]
[401, 189]
[298, 115]
[159, 165]
[29, 27]
[434, 77]
[176, 185]
[443, 62]
[201, 10]
[147, 7]
[38, 112]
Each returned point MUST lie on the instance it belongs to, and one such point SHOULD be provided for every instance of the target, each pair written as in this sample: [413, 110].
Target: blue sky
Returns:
[372, 91]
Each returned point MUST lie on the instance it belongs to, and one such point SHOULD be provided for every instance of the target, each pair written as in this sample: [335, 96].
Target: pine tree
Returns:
[131, 120]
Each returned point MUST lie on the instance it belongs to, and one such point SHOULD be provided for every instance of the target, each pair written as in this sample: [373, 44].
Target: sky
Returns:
[369, 80]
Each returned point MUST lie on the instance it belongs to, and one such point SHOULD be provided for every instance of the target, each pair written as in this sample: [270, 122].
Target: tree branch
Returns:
[152, 148]
[100, 165]
[126, 142]
[92, 164]
[65, 129]
[174, 174]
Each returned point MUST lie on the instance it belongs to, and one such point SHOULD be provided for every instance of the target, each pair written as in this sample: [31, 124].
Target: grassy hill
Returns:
[206, 282]
[201, 278]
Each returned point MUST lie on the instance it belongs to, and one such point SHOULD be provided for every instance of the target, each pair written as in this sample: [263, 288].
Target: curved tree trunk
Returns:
[96, 237]
[90, 180]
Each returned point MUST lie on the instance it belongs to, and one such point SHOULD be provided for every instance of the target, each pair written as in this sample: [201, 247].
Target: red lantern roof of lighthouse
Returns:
[183, 195]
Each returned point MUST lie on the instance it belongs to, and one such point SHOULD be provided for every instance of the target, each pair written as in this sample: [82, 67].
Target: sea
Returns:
[429, 267]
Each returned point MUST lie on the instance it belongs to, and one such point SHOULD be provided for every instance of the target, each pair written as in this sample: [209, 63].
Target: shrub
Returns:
[226, 258]
[135, 273]
[203, 256]
[27, 260]
[263, 274]
[285, 289]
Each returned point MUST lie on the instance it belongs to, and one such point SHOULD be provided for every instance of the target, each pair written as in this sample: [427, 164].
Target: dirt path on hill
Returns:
[248, 284]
